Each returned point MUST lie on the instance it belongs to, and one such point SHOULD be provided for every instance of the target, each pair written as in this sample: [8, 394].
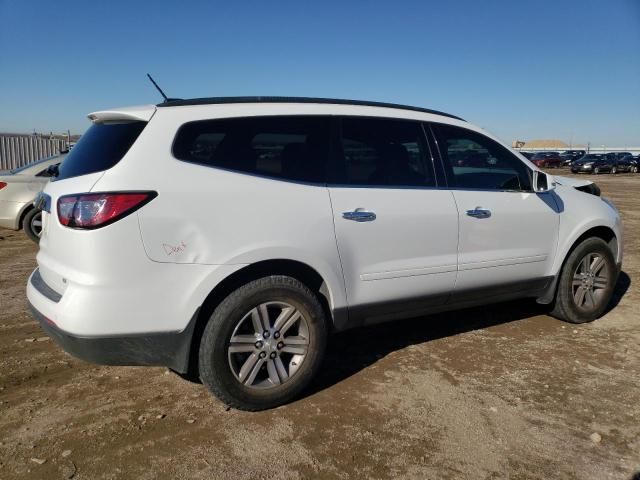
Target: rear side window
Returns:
[287, 147]
[473, 160]
[100, 148]
[383, 152]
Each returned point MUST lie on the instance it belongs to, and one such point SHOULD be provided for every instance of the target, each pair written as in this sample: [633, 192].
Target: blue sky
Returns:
[567, 69]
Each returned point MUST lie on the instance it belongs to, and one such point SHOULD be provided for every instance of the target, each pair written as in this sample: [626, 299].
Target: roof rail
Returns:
[226, 100]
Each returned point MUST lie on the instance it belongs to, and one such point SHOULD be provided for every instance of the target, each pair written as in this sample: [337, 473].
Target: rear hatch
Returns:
[100, 148]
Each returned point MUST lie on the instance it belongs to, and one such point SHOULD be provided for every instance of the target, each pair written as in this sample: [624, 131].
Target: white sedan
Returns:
[18, 189]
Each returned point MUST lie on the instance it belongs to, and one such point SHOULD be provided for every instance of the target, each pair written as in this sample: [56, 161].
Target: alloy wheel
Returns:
[268, 345]
[590, 280]
[36, 224]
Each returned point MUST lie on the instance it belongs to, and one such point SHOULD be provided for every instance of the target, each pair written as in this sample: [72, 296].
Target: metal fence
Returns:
[18, 150]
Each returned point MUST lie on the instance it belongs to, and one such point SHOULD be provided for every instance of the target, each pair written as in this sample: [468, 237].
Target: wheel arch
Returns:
[600, 231]
[293, 268]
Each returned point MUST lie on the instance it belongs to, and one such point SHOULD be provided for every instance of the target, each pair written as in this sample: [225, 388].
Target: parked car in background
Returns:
[547, 160]
[527, 155]
[571, 156]
[220, 238]
[18, 189]
[626, 163]
[595, 163]
[620, 155]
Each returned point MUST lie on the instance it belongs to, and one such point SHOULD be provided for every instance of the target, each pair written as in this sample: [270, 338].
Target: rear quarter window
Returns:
[284, 147]
[100, 148]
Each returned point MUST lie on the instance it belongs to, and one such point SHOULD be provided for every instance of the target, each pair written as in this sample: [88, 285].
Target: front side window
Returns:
[383, 152]
[473, 160]
[288, 147]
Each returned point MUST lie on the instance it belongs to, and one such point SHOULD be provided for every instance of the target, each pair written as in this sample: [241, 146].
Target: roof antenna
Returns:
[166, 99]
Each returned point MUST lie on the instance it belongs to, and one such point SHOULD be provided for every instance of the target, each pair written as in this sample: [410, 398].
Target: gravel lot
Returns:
[498, 392]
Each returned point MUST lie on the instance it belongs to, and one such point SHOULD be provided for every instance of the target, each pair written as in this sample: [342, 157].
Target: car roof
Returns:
[334, 101]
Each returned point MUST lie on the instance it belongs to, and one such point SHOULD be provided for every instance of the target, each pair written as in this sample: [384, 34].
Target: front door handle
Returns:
[359, 215]
[479, 212]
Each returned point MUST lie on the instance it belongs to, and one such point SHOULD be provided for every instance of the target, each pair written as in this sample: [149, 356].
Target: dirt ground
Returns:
[496, 392]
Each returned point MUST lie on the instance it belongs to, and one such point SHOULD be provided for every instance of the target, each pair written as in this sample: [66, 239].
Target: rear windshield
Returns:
[100, 148]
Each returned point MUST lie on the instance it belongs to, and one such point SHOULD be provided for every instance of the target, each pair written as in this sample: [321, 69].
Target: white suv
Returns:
[229, 236]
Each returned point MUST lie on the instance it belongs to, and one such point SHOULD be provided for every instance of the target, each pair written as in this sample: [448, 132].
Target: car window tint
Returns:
[100, 148]
[287, 147]
[475, 161]
[383, 152]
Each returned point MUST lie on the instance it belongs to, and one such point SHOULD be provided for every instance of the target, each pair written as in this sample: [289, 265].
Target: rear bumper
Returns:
[154, 349]
[168, 349]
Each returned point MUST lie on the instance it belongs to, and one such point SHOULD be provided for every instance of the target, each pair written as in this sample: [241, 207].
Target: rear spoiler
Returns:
[139, 113]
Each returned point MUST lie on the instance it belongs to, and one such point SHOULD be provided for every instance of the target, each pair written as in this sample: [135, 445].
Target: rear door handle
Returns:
[479, 212]
[359, 215]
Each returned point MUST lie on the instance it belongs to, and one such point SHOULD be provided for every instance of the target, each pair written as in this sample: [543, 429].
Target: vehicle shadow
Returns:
[623, 284]
[354, 350]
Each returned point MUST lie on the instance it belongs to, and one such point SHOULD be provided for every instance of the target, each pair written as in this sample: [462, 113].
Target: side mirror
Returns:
[542, 182]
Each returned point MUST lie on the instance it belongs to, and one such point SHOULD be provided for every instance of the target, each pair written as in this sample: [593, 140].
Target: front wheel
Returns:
[634, 169]
[263, 343]
[32, 224]
[586, 282]
[614, 170]
[596, 170]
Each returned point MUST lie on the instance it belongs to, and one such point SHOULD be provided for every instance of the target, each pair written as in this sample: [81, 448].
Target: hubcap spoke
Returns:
[590, 299]
[295, 350]
[242, 344]
[597, 265]
[600, 282]
[585, 264]
[250, 369]
[243, 339]
[260, 319]
[284, 316]
[295, 340]
[289, 322]
[273, 373]
[579, 295]
[282, 371]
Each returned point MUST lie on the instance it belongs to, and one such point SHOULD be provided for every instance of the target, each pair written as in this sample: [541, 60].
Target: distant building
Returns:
[556, 144]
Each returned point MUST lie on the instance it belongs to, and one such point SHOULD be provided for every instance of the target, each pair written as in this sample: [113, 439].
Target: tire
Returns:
[231, 376]
[596, 170]
[634, 169]
[567, 305]
[614, 170]
[32, 224]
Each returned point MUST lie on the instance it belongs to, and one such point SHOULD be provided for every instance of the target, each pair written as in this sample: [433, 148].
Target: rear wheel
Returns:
[614, 170]
[32, 224]
[263, 344]
[586, 282]
[634, 169]
[596, 170]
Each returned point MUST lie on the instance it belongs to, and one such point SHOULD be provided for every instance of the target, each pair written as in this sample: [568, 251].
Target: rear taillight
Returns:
[95, 210]
[2, 185]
